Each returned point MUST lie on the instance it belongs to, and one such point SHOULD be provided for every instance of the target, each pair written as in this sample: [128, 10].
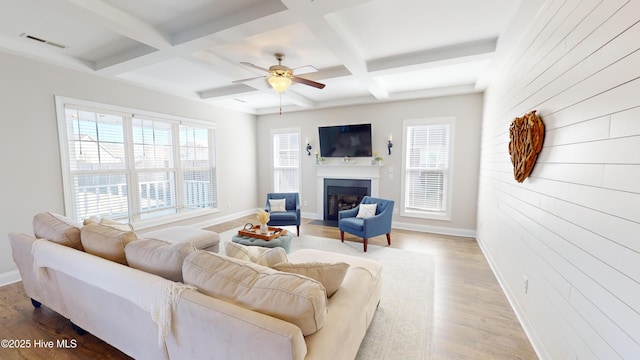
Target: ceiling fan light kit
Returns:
[281, 77]
[279, 83]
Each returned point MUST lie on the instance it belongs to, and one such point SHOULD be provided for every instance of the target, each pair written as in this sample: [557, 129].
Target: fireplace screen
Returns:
[343, 194]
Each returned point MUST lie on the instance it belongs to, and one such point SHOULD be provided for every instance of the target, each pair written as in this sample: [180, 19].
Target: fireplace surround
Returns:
[350, 176]
[343, 194]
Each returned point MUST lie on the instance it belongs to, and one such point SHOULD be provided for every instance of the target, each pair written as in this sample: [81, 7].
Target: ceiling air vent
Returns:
[30, 37]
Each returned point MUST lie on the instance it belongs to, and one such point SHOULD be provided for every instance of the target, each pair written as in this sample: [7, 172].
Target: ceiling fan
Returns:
[280, 76]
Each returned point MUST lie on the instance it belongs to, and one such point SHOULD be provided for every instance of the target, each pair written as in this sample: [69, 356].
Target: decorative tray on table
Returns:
[254, 232]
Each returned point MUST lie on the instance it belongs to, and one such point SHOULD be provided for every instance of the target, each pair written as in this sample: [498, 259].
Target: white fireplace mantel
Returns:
[346, 171]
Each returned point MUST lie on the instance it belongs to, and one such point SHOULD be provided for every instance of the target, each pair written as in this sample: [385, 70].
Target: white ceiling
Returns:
[364, 50]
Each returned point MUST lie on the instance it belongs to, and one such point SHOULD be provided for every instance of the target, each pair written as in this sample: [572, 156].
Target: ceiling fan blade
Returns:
[249, 79]
[308, 82]
[306, 69]
[253, 66]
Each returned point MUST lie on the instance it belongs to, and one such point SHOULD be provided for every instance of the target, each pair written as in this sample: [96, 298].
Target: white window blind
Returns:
[134, 167]
[97, 162]
[198, 170]
[154, 167]
[286, 162]
[427, 168]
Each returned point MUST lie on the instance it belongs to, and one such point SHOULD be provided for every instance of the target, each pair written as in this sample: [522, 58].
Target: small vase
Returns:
[264, 228]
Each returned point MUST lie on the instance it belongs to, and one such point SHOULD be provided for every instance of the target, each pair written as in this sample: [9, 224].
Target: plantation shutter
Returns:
[286, 162]
[427, 167]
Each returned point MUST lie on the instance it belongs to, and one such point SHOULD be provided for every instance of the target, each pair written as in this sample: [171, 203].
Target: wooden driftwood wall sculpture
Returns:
[526, 137]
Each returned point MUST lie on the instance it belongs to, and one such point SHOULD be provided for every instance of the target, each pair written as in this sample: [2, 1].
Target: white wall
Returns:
[386, 118]
[572, 227]
[31, 179]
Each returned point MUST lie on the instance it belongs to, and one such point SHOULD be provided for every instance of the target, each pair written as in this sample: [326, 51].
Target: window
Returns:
[286, 160]
[133, 166]
[427, 155]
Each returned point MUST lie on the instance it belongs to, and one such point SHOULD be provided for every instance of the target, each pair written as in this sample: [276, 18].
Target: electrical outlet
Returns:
[305, 203]
[525, 284]
[229, 205]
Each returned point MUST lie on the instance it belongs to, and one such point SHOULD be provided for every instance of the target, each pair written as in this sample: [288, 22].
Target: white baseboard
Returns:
[526, 326]
[314, 216]
[434, 229]
[9, 277]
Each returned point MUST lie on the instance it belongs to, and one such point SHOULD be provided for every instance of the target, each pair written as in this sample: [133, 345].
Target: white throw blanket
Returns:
[151, 293]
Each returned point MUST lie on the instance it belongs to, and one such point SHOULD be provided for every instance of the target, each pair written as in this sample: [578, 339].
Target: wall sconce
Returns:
[389, 144]
[308, 147]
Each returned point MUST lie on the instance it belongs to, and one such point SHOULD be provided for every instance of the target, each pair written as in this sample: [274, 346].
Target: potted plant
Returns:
[377, 159]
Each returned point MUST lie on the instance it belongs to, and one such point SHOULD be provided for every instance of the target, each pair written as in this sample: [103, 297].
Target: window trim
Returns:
[274, 132]
[67, 178]
[446, 214]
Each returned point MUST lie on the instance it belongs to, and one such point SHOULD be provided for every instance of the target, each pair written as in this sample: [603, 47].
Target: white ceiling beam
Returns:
[215, 63]
[36, 50]
[227, 92]
[215, 33]
[124, 23]
[316, 17]
[129, 60]
[192, 38]
[432, 57]
[337, 41]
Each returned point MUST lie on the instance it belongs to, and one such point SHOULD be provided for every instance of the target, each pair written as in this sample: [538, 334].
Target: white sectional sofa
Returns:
[225, 308]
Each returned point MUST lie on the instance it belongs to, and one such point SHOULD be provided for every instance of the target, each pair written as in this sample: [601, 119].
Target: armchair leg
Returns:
[389, 239]
[365, 244]
[342, 236]
[298, 230]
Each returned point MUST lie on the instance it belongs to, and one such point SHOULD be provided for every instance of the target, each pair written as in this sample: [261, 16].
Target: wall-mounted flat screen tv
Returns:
[345, 140]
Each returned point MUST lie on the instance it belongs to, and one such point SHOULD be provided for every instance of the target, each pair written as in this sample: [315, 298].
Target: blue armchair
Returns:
[292, 214]
[367, 227]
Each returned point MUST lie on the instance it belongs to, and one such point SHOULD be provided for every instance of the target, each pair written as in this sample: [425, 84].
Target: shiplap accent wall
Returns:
[573, 227]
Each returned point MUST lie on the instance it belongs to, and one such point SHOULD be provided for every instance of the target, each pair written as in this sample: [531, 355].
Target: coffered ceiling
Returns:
[364, 50]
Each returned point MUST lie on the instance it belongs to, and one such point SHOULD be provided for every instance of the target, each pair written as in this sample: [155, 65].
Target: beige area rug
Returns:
[402, 327]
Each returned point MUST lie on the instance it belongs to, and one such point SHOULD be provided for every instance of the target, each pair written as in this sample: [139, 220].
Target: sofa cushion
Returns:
[200, 238]
[109, 222]
[158, 257]
[352, 223]
[58, 229]
[106, 241]
[256, 254]
[284, 216]
[291, 297]
[330, 275]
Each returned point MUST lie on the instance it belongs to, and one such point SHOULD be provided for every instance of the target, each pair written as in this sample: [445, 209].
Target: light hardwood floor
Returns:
[472, 317]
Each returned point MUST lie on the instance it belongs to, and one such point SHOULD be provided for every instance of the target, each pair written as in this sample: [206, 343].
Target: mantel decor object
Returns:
[526, 136]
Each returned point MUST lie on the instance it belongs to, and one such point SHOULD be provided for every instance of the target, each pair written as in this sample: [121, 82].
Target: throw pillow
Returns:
[290, 297]
[58, 229]
[328, 274]
[104, 221]
[106, 242]
[278, 205]
[158, 257]
[367, 210]
[256, 254]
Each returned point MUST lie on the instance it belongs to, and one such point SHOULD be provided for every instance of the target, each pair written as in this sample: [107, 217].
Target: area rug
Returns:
[402, 327]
